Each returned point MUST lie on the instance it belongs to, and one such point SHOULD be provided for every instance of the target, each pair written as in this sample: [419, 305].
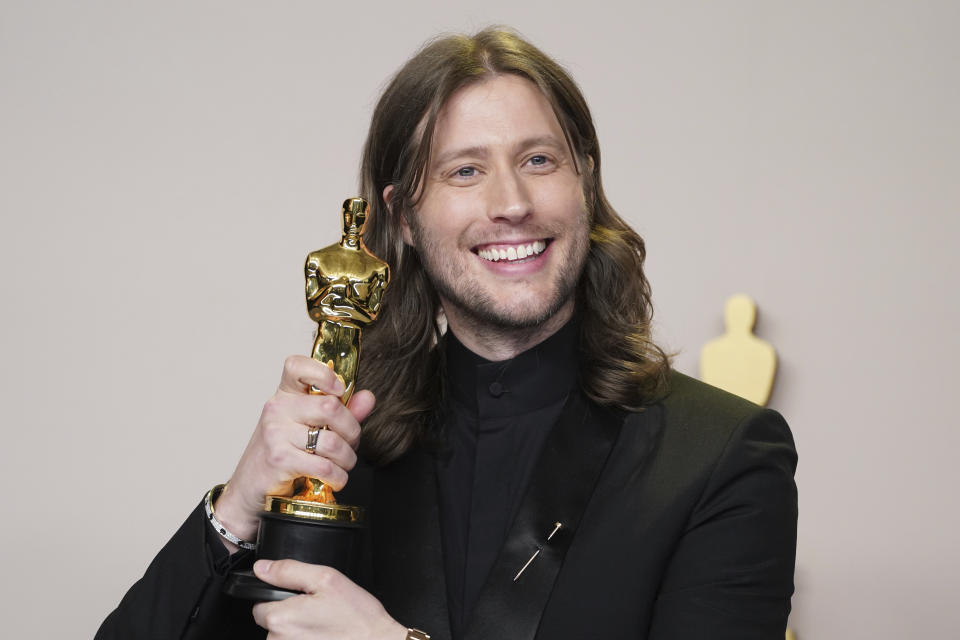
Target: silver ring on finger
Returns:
[312, 436]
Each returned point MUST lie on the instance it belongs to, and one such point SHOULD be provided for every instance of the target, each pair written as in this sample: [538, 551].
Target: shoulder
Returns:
[696, 425]
[711, 412]
[690, 400]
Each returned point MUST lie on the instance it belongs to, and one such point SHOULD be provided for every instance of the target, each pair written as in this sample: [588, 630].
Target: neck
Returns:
[350, 241]
[497, 343]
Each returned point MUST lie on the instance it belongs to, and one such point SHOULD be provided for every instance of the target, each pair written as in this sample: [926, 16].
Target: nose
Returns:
[509, 198]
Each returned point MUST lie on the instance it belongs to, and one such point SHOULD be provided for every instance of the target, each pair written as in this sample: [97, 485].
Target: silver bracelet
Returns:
[208, 501]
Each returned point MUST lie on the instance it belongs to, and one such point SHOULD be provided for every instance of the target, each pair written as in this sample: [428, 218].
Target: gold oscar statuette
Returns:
[345, 284]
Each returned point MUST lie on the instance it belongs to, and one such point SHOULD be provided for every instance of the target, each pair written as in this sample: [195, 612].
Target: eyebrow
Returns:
[480, 150]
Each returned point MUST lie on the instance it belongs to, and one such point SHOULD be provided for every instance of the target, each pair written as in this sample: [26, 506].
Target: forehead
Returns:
[500, 111]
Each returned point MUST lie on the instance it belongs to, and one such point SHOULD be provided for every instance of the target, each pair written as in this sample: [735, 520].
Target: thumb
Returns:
[361, 404]
[296, 575]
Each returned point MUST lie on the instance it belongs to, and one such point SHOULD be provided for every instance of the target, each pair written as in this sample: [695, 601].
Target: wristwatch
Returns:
[416, 634]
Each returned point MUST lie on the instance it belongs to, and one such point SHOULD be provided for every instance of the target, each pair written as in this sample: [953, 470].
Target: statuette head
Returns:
[354, 216]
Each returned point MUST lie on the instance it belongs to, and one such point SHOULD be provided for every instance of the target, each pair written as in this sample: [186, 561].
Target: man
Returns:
[534, 471]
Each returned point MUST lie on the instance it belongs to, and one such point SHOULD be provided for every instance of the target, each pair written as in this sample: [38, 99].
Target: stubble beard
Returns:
[474, 304]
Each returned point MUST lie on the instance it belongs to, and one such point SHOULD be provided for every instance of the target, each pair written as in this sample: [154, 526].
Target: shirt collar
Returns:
[536, 378]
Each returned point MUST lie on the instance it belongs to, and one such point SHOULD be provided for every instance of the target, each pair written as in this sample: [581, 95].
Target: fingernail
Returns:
[262, 566]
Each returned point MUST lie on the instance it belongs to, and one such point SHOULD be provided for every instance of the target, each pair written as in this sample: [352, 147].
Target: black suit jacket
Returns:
[676, 522]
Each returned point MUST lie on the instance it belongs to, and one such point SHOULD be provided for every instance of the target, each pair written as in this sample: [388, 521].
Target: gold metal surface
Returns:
[345, 284]
[345, 287]
[313, 510]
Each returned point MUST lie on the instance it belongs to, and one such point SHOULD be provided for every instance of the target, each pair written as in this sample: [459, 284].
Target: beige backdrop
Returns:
[166, 166]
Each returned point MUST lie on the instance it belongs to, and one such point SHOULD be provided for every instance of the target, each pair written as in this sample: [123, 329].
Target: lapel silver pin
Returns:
[556, 527]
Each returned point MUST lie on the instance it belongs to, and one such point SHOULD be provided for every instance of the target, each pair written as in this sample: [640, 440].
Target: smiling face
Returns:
[501, 227]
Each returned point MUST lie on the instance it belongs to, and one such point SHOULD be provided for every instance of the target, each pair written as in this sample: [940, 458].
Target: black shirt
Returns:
[496, 417]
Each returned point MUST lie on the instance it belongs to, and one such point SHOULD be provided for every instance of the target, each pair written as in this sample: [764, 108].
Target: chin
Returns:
[525, 314]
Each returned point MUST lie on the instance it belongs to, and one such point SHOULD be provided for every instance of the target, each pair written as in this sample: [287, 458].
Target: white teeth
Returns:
[518, 252]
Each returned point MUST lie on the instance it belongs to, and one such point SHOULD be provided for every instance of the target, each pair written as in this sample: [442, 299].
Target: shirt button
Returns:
[496, 389]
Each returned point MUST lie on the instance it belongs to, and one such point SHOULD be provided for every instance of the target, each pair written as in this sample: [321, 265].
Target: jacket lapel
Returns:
[573, 457]
[406, 544]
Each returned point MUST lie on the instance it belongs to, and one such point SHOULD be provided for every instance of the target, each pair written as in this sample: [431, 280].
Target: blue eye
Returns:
[538, 160]
[466, 172]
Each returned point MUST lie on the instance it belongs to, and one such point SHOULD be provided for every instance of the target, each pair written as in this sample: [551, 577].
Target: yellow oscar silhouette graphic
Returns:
[738, 361]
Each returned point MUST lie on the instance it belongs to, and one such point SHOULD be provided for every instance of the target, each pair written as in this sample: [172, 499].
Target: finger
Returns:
[287, 453]
[299, 576]
[274, 617]
[300, 373]
[361, 404]
[262, 613]
[322, 411]
[314, 466]
[295, 617]
[284, 452]
[333, 447]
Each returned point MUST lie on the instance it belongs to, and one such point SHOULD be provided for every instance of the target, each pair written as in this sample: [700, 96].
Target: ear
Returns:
[388, 198]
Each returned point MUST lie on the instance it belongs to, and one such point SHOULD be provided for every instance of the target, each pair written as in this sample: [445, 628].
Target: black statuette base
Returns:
[246, 586]
[335, 544]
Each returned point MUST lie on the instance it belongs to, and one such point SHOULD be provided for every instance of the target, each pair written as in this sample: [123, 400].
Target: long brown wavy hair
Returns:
[403, 363]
